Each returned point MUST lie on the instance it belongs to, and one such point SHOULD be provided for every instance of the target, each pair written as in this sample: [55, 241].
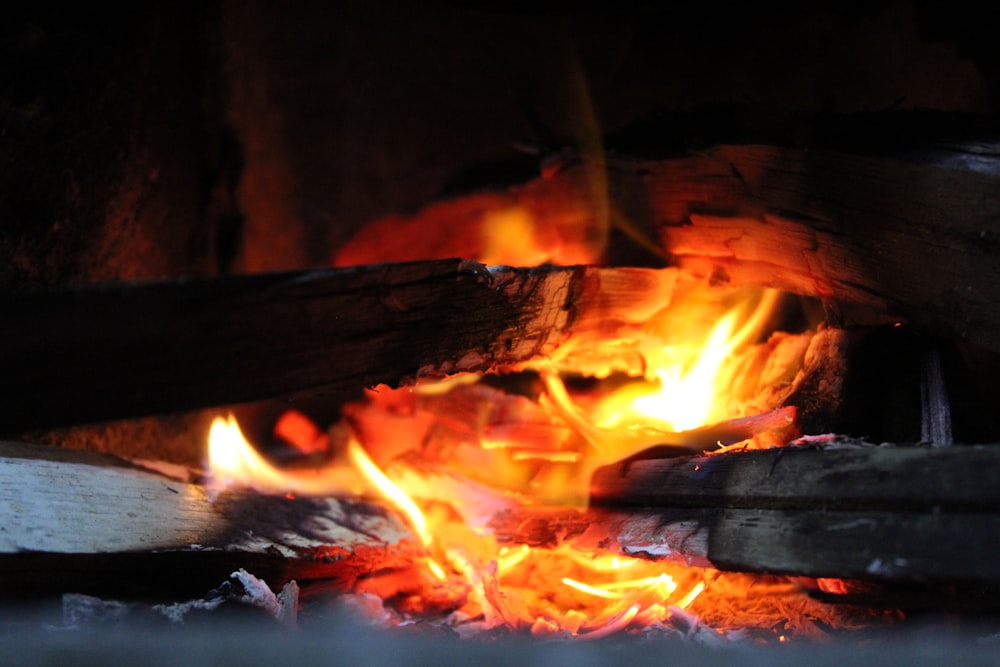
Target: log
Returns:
[87, 523]
[83, 355]
[884, 216]
[831, 478]
[882, 514]
[910, 241]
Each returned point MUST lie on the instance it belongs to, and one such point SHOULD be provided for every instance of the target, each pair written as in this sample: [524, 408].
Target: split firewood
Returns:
[86, 523]
[889, 514]
[90, 354]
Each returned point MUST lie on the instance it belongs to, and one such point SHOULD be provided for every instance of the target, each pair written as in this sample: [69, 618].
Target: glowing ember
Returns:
[596, 595]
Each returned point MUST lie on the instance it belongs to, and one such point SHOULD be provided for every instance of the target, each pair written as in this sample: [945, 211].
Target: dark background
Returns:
[197, 138]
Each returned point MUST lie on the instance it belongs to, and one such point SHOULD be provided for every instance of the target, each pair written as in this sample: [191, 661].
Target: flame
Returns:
[391, 491]
[689, 380]
[509, 237]
[233, 461]
[602, 593]
[684, 399]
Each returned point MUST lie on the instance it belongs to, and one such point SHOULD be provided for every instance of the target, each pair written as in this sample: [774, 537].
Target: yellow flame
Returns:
[689, 383]
[509, 238]
[437, 570]
[591, 590]
[662, 584]
[390, 490]
[508, 558]
[684, 399]
[686, 601]
[234, 461]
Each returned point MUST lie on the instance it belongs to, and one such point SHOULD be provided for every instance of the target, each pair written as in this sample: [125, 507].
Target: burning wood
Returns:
[600, 355]
[437, 452]
[836, 217]
[453, 458]
[609, 593]
[615, 367]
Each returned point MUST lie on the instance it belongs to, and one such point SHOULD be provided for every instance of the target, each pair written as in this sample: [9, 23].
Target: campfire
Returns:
[719, 375]
[585, 452]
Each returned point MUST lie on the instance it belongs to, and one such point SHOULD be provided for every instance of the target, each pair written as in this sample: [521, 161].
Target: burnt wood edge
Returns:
[930, 548]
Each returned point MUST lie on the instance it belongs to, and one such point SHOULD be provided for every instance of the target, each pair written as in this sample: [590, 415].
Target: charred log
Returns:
[91, 354]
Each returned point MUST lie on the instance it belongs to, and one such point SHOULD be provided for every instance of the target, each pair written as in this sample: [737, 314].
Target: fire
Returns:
[449, 456]
[599, 594]
[690, 380]
[391, 491]
[684, 399]
[509, 237]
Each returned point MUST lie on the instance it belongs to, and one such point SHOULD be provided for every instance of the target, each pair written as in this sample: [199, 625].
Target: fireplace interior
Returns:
[426, 227]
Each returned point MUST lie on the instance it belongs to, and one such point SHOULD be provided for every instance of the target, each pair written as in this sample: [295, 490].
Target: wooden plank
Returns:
[852, 477]
[81, 522]
[115, 351]
[889, 514]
